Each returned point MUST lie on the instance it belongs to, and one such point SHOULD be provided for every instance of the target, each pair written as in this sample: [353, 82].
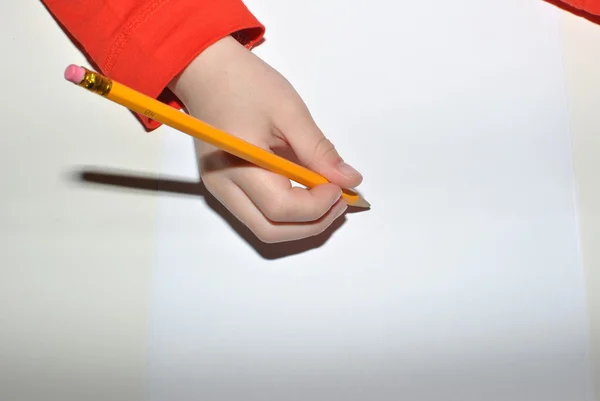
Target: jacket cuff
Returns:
[158, 44]
[592, 7]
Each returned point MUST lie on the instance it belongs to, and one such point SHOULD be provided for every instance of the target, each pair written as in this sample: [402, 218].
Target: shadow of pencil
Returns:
[124, 180]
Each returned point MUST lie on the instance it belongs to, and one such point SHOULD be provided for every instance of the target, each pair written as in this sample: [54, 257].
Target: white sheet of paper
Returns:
[462, 283]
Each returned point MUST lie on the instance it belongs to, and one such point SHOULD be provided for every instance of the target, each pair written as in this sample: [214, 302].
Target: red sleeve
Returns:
[588, 6]
[144, 44]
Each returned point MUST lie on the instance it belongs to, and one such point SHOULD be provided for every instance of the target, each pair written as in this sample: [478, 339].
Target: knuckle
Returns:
[324, 148]
[294, 109]
[276, 210]
[215, 183]
[209, 185]
[209, 180]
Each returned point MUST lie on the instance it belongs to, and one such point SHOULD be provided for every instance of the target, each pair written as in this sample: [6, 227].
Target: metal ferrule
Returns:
[96, 83]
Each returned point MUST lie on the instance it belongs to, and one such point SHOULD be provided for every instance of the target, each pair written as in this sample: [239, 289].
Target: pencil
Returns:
[170, 116]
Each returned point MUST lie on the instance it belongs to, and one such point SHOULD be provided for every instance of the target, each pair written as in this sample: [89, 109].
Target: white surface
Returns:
[77, 258]
[462, 283]
[582, 56]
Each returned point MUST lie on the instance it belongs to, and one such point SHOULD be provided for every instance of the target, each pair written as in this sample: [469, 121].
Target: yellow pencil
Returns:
[167, 115]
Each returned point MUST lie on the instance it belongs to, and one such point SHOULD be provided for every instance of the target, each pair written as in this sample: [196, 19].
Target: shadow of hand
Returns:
[123, 180]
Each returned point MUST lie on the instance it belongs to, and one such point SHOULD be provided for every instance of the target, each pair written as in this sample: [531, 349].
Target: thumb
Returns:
[319, 154]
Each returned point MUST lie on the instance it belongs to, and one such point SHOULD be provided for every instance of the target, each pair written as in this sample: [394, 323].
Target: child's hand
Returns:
[230, 88]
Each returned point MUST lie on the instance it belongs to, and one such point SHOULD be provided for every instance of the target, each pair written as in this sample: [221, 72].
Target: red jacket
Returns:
[145, 43]
[589, 6]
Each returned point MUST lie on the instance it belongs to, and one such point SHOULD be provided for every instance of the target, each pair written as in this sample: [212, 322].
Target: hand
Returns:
[230, 88]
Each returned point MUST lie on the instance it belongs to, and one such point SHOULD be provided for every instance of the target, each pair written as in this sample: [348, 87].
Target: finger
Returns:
[317, 152]
[236, 201]
[279, 201]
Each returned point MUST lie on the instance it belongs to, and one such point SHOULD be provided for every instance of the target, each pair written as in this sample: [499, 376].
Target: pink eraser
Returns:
[74, 73]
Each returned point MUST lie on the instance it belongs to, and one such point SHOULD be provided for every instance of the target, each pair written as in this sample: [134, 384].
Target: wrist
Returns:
[213, 59]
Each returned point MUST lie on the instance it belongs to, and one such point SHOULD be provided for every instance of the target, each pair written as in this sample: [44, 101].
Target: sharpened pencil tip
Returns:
[361, 202]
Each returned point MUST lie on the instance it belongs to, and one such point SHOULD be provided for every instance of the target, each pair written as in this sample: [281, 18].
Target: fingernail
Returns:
[347, 170]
